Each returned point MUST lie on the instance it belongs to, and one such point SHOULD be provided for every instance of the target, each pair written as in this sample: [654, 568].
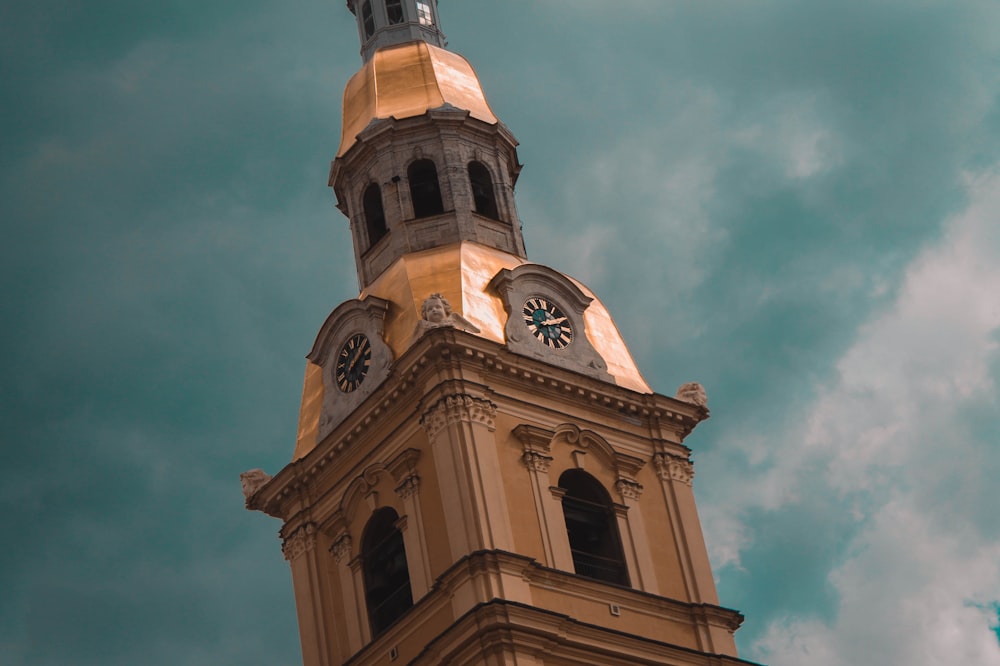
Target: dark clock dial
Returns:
[547, 323]
[352, 362]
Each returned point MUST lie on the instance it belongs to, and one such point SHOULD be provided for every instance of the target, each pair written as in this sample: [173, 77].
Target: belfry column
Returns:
[676, 474]
[341, 552]
[633, 527]
[413, 536]
[548, 498]
[461, 431]
[299, 548]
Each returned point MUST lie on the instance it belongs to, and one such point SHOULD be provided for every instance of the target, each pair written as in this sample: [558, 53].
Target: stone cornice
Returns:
[445, 351]
[485, 571]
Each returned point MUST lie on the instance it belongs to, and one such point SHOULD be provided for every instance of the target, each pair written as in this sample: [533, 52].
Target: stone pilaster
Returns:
[676, 474]
[311, 602]
[461, 430]
[342, 551]
[414, 536]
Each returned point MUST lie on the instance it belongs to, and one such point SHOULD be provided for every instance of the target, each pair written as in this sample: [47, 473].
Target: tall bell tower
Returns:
[481, 474]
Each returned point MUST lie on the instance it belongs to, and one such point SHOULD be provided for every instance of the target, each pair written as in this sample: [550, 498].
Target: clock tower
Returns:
[481, 475]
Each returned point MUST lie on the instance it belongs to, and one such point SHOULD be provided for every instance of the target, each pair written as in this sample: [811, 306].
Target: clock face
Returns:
[352, 363]
[547, 323]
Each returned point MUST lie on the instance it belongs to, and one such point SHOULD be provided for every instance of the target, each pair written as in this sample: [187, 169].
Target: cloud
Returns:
[894, 442]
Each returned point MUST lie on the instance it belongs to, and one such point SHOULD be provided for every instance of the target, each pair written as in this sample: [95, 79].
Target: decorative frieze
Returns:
[341, 548]
[300, 542]
[458, 409]
[674, 468]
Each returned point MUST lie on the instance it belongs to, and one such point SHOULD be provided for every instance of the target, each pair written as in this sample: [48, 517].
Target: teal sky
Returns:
[794, 203]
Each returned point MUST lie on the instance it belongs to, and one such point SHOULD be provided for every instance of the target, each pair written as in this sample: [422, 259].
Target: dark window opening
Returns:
[387, 580]
[592, 529]
[425, 189]
[374, 214]
[394, 10]
[368, 18]
[482, 190]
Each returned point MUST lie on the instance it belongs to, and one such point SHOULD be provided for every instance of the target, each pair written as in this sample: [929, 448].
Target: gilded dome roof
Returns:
[406, 81]
[462, 273]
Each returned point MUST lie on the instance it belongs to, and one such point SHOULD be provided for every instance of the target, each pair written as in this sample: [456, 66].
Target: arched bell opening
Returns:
[592, 529]
[386, 575]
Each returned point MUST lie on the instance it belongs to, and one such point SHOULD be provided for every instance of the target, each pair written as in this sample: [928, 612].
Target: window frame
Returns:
[375, 222]
[425, 188]
[588, 511]
[382, 542]
[485, 202]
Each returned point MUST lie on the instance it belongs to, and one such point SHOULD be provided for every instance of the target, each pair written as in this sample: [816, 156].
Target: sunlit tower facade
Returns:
[481, 475]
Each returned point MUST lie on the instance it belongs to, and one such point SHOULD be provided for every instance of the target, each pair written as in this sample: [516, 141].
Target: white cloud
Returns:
[890, 437]
[909, 597]
[791, 132]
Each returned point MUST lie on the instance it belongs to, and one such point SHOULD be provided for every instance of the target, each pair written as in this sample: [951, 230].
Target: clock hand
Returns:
[354, 360]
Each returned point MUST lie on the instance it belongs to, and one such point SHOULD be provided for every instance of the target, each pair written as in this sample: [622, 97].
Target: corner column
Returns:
[676, 474]
[341, 552]
[461, 430]
[299, 549]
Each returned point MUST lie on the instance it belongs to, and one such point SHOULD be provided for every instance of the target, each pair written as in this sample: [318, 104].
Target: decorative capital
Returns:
[674, 468]
[300, 542]
[341, 548]
[409, 487]
[458, 409]
[536, 462]
[630, 490]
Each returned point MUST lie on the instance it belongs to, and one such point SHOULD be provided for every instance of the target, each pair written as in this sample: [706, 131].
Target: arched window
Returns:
[368, 18]
[394, 10]
[374, 214]
[424, 12]
[592, 528]
[482, 190]
[387, 580]
[424, 189]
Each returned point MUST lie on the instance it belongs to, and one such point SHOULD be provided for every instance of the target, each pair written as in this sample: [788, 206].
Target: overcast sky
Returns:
[795, 203]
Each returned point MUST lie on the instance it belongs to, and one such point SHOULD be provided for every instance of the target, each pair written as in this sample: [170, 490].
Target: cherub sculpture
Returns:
[252, 481]
[436, 313]
[693, 393]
